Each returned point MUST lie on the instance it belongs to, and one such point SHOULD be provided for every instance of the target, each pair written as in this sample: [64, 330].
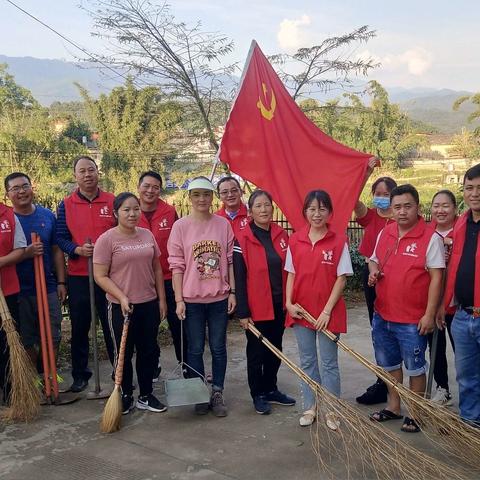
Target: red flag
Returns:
[269, 141]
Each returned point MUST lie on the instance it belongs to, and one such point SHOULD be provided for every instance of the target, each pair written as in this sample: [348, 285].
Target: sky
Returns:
[421, 43]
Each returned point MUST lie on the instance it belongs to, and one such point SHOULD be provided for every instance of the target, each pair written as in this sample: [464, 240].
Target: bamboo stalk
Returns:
[447, 430]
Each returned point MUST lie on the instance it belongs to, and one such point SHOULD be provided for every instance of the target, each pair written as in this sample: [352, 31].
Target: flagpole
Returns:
[216, 160]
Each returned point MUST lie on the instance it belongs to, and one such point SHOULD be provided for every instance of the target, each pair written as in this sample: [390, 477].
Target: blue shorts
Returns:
[395, 342]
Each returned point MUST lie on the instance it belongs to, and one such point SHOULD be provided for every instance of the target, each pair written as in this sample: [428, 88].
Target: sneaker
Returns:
[307, 418]
[202, 408]
[376, 393]
[127, 404]
[156, 374]
[279, 398]
[79, 385]
[151, 403]
[262, 407]
[217, 404]
[442, 397]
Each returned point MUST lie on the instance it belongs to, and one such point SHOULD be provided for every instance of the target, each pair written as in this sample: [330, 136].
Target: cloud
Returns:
[291, 33]
[416, 60]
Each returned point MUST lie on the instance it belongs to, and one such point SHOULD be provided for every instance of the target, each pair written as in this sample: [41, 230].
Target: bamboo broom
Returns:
[112, 413]
[24, 398]
[447, 430]
[375, 451]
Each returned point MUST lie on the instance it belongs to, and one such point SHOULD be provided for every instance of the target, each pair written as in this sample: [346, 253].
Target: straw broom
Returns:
[375, 451]
[447, 430]
[24, 398]
[112, 413]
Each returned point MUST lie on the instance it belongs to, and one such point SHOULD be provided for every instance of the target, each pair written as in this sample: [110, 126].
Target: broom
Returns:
[24, 397]
[112, 413]
[376, 451]
[447, 430]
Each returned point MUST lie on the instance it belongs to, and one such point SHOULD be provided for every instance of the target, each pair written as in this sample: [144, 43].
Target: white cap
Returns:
[201, 183]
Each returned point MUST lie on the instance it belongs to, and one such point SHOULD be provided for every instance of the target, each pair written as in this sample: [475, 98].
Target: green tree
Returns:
[466, 145]
[475, 99]
[13, 95]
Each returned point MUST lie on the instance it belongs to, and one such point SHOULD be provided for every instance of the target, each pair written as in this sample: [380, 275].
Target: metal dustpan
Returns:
[186, 391]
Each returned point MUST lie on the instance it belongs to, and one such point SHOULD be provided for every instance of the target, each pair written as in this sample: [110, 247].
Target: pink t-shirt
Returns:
[202, 251]
[131, 262]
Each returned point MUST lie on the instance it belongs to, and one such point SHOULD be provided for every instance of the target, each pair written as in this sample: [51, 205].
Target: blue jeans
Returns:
[327, 374]
[466, 334]
[198, 317]
[395, 342]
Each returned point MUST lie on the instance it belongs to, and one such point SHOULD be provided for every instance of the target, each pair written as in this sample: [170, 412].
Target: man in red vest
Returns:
[12, 247]
[463, 291]
[81, 218]
[158, 217]
[406, 267]
[233, 209]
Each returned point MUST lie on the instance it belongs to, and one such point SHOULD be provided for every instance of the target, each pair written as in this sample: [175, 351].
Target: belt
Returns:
[474, 311]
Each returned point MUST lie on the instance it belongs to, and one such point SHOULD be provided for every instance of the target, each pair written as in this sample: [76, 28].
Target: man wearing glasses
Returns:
[158, 217]
[233, 209]
[35, 218]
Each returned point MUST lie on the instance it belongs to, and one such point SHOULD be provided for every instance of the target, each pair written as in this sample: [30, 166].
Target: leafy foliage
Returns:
[475, 99]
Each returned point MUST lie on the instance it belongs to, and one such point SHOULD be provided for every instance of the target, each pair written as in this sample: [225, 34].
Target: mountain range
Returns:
[53, 80]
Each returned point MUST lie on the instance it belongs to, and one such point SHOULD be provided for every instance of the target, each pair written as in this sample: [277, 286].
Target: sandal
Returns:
[384, 416]
[307, 418]
[333, 423]
[410, 425]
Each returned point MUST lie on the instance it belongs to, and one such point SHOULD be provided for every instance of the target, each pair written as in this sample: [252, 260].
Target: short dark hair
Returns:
[321, 196]
[388, 181]
[150, 173]
[472, 173]
[258, 193]
[228, 178]
[449, 194]
[404, 189]
[120, 199]
[13, 176]
[82, 157]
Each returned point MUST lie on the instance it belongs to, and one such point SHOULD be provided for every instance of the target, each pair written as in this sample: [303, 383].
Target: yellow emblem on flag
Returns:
[267, 112]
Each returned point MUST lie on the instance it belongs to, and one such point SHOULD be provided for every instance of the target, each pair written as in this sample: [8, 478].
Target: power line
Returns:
[71, 42]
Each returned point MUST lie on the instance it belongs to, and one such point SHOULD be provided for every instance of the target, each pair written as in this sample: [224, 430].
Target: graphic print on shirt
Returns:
[163, 225]
[243, 223]
[410, 250]
[5, 226]
[206, 254]
[327, 257]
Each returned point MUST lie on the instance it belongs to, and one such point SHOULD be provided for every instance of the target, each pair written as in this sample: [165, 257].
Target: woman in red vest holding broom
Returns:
[259, 260]
[317, 263]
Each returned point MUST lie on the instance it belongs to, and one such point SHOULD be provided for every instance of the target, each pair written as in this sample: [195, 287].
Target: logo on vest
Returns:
[327, 257]
[410, 250]
[163, 225]
[283, 244]
[105, 212]
[5, 226]
[243, 222]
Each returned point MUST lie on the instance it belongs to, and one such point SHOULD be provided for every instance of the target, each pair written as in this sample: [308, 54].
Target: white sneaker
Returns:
[307, 418]
[442, 397]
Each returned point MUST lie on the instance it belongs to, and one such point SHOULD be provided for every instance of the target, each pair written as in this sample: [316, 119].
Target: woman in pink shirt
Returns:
[127, 267]
[200, 253]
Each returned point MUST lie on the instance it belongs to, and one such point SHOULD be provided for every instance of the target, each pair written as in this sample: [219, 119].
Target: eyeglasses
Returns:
[25, 187]
[233, 191]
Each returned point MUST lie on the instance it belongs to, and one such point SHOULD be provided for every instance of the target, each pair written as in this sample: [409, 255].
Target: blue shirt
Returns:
[41, 221]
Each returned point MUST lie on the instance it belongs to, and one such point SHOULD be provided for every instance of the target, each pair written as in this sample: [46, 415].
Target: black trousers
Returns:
[12, 304]
[369, 292]
[440, 369]
[79, 304]
[141, 338]
[262, 364]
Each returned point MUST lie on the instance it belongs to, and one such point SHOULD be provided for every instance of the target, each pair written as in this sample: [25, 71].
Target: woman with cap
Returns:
[200, 250]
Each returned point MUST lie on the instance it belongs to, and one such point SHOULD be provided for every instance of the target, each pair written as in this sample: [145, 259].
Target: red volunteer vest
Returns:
[315, 274]
[258, 282]
[8, 275]
[459, 232]
[240, 222]
[87, 220]
[402, 293]
[161, 226]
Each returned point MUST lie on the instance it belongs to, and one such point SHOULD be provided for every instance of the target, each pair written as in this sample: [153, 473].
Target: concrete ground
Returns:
[65, 442]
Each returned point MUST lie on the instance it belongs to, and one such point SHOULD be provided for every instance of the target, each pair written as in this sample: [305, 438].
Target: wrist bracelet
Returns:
[61, 283]
[232, 292]
[179, 301]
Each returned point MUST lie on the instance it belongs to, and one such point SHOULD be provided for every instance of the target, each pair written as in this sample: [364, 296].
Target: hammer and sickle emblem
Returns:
[267, 113]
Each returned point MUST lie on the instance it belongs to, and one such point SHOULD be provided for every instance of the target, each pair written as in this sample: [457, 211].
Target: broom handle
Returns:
[48, 327]
[121, 353]
[41, 322]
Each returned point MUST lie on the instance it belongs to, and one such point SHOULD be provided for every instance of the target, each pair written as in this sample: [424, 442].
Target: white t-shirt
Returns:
[344, 265]
[435, 252]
